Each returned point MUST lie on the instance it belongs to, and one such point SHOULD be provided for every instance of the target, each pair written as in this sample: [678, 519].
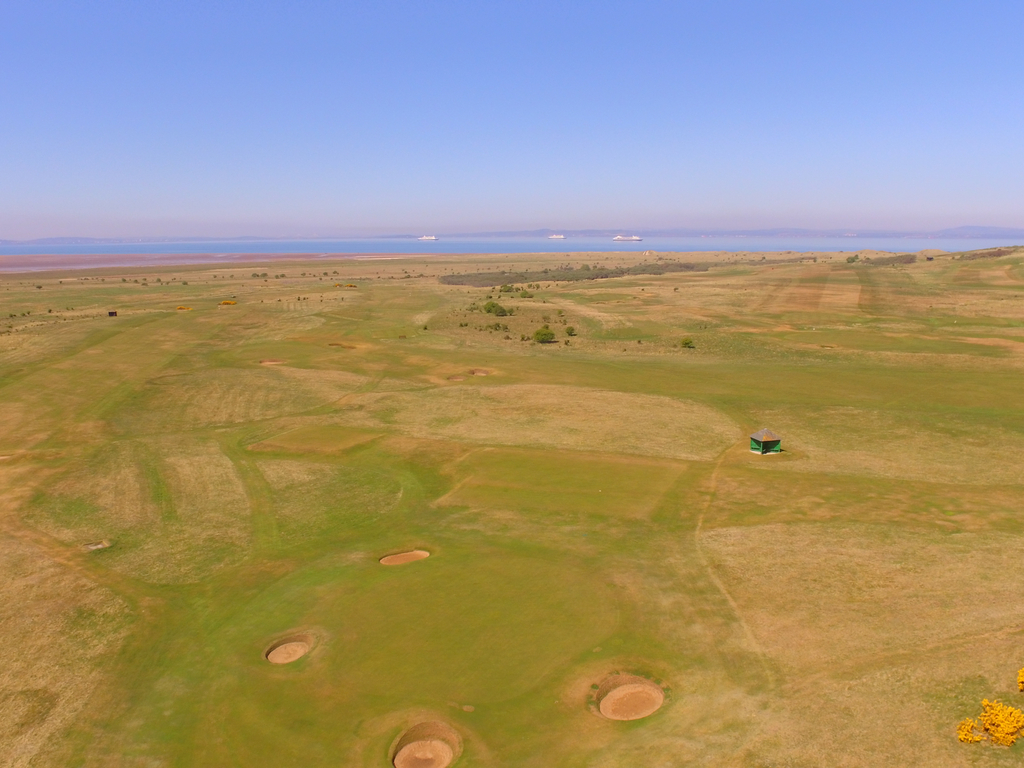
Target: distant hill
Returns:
[969, 232]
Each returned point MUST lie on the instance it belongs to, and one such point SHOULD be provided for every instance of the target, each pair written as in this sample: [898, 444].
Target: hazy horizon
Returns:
[194, 120]
[967, 232]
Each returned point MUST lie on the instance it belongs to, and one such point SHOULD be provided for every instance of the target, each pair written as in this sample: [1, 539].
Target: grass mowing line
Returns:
[265, 535]
[719, 584]
[91, 339]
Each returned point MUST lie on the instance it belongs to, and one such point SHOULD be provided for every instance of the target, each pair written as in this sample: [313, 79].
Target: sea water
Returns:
[29, 256]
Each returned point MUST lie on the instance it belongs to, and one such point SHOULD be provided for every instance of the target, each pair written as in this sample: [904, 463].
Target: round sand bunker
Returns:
[289, 649]
[401, 558]
[627, 697]
[427, 745]
[479, 372]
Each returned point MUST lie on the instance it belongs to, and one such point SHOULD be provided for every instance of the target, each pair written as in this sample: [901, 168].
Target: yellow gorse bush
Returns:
[1001, 722]
[967, 731]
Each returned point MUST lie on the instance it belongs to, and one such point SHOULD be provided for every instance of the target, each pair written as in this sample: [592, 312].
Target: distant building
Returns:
[765, 441]
[112, 313]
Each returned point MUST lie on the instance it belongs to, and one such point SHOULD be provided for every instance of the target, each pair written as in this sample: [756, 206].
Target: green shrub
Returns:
[687, 343]
[494, 308]
[570, 331]
[544, 335]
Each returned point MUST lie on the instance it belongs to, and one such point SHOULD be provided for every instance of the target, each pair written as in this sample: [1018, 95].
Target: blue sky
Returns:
[332, 118]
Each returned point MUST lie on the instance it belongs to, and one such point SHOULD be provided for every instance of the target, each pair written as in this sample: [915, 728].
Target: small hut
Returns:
[765, 441]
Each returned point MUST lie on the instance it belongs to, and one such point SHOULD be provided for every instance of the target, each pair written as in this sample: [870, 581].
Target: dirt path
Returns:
[719, 584]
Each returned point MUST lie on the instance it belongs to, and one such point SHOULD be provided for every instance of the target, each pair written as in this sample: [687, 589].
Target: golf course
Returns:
[502, 511]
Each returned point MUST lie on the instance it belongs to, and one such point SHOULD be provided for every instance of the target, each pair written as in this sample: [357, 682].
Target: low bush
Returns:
[900, 258]
[544, 335]
[967, 731]
[1000, 723]
[494, 308]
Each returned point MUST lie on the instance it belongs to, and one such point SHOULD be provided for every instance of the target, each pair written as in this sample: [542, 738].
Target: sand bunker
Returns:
[400, 558]
[341, 344]
[479, 372]
[271, 362]
[456, 377]
[427, 745]
[628, 697]
[289, 649]
[94, 545]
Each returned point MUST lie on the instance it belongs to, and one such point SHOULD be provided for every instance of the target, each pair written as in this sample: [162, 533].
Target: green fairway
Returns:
[182, 489]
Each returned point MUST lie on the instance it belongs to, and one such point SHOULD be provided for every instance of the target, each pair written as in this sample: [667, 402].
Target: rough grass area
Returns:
[567, 417]
[568, 273]
[591, 509]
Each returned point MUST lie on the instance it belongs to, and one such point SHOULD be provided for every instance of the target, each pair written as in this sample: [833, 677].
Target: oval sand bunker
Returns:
[627, 697]
[400, 558]
[427, 745]
[290, 649]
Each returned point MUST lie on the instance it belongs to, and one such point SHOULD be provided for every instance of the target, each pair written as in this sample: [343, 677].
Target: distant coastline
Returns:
[954, 233]
[21, 257]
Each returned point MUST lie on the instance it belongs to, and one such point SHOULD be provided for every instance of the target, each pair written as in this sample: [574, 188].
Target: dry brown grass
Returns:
[60, 631]
[315, 439]
[200, 524]
[884, 443]
[232, 396]
[832, 597]
[554, 416]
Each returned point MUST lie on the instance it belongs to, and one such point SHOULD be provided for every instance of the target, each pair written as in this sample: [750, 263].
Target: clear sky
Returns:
[330, 118]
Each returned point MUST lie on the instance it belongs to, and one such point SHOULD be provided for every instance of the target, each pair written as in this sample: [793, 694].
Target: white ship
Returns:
[428, 237]
[556, 237]
[627, 239]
